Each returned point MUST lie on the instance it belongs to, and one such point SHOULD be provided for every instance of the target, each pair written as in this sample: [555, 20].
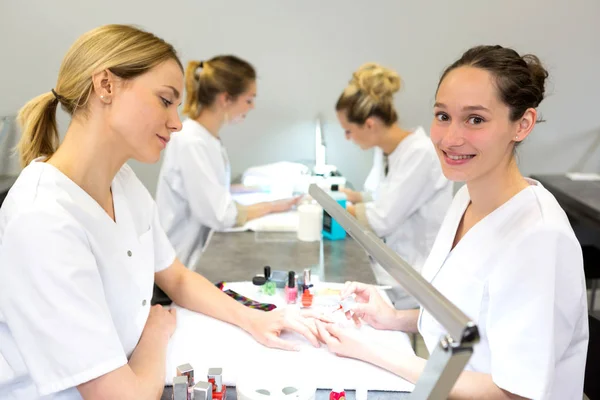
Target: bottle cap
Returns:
[259, 280]
[291, 279]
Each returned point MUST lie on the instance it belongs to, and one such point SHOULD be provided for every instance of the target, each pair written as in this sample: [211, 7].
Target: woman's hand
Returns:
[346, 342]
[342, 341]
[284, 205]
[161, 321]
[370, 306]
[266, 327]
[352, 196]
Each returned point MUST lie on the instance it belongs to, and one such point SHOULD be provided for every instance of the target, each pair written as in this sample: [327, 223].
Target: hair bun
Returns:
[376, 81]
[539, 74]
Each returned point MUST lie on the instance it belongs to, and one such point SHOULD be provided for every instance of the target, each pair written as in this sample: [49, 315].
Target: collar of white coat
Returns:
[448, 229]
[197, 128]
[415, 134]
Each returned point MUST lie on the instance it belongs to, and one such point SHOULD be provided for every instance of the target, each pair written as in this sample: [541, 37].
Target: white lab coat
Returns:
[376, 175]
[193, 194]
[75, 286]
[410, 203]
[518, 274]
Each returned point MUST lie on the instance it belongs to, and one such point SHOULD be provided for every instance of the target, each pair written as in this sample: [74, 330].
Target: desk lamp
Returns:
[454, 348]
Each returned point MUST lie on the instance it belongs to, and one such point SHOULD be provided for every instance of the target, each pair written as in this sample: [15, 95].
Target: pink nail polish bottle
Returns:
[291, 291]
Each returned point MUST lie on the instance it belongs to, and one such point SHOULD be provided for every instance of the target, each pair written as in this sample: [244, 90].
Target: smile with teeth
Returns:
[461, 157]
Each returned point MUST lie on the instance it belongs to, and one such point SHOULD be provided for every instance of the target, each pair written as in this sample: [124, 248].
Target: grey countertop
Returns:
[239, 256]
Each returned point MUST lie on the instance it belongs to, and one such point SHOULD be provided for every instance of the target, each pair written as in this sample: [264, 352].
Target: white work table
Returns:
[239, 256]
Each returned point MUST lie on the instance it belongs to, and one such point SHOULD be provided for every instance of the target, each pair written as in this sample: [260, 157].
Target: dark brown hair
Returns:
[520, 80]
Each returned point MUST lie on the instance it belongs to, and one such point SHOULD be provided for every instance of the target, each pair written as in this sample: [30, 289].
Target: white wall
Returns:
[305, 52]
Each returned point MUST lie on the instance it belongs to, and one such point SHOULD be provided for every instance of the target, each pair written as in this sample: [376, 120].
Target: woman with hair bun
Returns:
[410, 202]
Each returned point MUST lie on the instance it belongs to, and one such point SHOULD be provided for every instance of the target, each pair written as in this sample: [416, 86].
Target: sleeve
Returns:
[242, 214]
[366, 197]
[361, 214]
[211, 202]
[164, 253]
[53, 300]
[533, 298]
[404, 191]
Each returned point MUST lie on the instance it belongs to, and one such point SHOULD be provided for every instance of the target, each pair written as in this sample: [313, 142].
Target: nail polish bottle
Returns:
[269, 286]
[187, 371]
[203, 391]
[215, 377]
[337, 394]
[307, 298]
[291, 291]
[180, 388]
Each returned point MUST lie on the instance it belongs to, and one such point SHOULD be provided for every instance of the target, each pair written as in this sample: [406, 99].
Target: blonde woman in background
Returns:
[81, 244]
[194, 187]
[410, 202]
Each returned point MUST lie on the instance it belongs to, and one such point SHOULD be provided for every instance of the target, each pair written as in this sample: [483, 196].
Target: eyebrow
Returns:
[175, 91]
[467, 108]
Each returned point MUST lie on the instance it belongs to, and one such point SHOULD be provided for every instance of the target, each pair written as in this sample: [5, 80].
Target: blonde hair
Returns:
[124, 50]
[370, 93]
[204, 80]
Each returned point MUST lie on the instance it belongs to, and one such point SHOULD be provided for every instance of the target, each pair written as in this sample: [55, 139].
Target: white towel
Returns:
[208, 343]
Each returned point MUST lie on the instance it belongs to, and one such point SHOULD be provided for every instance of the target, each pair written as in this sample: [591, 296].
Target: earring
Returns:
[516, 137]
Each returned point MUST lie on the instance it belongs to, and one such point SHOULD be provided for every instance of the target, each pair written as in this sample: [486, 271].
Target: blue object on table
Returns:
[331, 229]
[279, 278]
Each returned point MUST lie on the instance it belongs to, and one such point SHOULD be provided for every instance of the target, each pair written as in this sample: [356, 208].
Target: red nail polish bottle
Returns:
[337, 394]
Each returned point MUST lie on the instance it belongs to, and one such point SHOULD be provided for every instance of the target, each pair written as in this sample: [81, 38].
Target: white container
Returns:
[310, 222]
[274, 388]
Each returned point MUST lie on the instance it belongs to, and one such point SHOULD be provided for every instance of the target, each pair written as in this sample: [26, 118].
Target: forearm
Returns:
[351, 209]
[406, 321]
[477, 385]
[360, 212]
[196, 293]
[257, 210]
[148, 364]
[403, 364]
[470, 385]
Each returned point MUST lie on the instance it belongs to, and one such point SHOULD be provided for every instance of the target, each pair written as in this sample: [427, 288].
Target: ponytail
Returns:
[37, 120]
[221, 74]
[191, 106]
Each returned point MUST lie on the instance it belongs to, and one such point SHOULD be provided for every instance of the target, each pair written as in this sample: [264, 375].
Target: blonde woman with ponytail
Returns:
[81, 243]
[194, 186]
[409, 204]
